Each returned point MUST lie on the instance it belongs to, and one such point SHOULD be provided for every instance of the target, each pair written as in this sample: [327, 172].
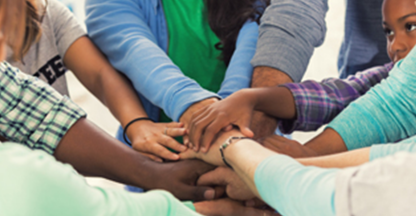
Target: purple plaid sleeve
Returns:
[317, 103]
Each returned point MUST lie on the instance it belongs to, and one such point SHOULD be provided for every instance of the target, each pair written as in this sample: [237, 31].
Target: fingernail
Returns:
[195, 149]
[209, 194]
[182, 148]
[204, 150]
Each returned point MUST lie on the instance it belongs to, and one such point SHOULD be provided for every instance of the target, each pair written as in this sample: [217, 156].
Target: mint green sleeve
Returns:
[294, 189]
[386, 113]
[380, 151]
[36, 184]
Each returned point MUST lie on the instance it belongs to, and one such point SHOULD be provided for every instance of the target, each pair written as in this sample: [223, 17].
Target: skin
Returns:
[117, 162]
[399, 23]
[95, 72]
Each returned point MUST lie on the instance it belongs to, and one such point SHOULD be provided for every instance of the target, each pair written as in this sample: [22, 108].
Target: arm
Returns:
[239, 71]
[288, 34]
[36, 115]
[385, 114]
[96, 73]
[119, 28]
[65, 192]
[280, 181]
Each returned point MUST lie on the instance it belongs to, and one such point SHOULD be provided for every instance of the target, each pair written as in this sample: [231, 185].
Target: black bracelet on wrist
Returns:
[131, 122]
[225, 145]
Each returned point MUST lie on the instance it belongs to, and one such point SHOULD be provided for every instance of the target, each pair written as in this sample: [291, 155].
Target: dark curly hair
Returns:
[227, 17]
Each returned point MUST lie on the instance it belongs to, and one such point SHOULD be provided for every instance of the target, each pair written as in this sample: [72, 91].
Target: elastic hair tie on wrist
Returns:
[131, 122]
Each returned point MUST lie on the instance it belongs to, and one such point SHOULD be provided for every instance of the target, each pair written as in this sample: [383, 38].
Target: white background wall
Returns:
[322, 65]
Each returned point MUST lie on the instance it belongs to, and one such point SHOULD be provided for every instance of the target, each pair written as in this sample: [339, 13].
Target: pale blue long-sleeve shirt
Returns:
[133, 35]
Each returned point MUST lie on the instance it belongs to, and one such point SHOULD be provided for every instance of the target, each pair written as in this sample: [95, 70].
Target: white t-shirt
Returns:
[44, 60]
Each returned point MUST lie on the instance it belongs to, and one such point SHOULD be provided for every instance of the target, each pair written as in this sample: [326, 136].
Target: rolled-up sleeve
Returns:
[288, 34]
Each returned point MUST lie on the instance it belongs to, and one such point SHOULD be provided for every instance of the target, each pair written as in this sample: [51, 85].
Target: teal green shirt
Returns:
[35, 184]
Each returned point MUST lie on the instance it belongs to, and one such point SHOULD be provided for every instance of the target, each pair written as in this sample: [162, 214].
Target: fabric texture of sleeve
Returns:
[32, 112]
[66, 27]
[386, 113]
[66, 193]
[240, 71]
[289, 32]
[317, 103]
[119, 29]
[293, 189]
[384, 150]
[382, 187]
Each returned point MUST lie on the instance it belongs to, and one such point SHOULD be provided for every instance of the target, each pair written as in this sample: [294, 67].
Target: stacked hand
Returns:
[207, 122]
[153, 139]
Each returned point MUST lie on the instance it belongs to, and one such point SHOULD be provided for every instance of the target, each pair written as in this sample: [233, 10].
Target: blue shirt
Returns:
[134, 36]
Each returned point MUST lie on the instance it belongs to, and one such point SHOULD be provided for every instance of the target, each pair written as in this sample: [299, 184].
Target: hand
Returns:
[287, 146]
[180, 179]
[206, 123]
[213, 156]
[229, 207]
[187, 115]
[235, 188]
[149, 138]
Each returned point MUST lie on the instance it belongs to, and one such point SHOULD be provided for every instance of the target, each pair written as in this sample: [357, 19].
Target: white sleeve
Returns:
[382, 187]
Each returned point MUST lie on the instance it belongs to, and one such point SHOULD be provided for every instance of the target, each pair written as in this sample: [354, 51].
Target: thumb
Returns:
[199, 193]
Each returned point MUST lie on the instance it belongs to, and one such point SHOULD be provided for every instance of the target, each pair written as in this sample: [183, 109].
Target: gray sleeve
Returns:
[66, 27]
[382, 187]
[288, 34]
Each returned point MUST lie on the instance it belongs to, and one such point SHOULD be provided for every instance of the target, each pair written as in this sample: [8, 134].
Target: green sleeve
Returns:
[36, 184]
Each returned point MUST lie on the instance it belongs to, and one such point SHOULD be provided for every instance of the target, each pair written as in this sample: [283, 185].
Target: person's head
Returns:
[12, 26]
[227, 17]
[399, 23]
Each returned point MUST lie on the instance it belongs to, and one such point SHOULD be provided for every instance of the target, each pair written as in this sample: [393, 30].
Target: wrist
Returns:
[126, 130]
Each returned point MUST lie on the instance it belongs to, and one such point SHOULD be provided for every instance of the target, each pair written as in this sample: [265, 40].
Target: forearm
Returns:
[92, 152]
[100, 78]
[327, 142]
[287, 186]
[340, 160]
[275, 101]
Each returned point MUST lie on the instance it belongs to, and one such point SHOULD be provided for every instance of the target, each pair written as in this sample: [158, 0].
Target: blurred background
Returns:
[322, 65]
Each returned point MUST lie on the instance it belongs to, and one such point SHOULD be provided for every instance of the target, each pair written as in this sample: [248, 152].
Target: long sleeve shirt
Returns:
[291, 29]
[134, 36]
[317, 103]
[386, 113]
[35, 184]
[32, 112]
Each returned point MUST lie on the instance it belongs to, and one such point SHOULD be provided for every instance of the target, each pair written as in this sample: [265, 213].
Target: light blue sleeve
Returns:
[384, 150]
[296, 190]
[289, 32]
[386, 113]
[121, 31]
[239, 71]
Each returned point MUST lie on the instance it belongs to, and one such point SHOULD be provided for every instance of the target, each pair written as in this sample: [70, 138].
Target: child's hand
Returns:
[154, 139]
[206, 123]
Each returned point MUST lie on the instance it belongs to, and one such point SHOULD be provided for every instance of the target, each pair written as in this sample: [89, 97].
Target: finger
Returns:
[175, 125]
[228, 128]
[255, 203]
[198, 193]
[197, 130]
[172, 143]
[163, 152]
[153, 157]
[211, 131]
[175, 132]
[188, 154]
[215, 177]
[244, 125]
